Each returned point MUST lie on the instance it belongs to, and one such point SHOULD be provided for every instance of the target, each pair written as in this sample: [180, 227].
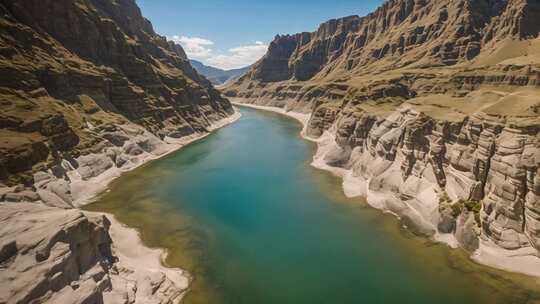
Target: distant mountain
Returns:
[218, 76]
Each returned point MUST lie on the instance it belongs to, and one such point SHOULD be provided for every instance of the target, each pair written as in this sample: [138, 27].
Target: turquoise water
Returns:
[246, 214]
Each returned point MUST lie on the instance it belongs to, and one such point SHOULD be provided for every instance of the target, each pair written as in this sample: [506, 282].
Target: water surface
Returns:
[245, 213]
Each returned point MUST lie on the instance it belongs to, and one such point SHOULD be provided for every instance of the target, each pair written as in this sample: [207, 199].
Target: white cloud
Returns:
[237, 57]
[195, 47]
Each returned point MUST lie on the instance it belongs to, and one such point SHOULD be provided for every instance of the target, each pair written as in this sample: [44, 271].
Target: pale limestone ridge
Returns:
[50, 253]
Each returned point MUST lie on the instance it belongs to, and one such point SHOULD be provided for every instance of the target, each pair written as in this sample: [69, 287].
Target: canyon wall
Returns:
[431, 106]
[481, 166]
[88, 90]
[74, 71]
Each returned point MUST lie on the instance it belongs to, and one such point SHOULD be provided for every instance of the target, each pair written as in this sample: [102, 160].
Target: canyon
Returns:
[430, 110]
[427, 109]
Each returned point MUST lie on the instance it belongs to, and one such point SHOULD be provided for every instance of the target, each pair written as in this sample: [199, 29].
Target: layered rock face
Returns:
[431, 105]
[88, 90]
[420, 47]
[413, 34]
[428, 165]
[72, 71]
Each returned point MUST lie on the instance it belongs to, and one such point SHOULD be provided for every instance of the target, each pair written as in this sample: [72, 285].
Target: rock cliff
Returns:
[73, 71]
[88, 90]
[431, 106]
[411, 34]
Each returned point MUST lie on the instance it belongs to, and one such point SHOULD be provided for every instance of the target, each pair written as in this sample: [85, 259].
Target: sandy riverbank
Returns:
[520, 261]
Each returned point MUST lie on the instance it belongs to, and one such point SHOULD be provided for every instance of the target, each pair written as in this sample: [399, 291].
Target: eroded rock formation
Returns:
[50, 253]
[477, 159]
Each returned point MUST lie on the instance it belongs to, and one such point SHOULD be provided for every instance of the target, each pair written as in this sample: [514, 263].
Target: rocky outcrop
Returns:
[430, 106]
[510, 189]
[411, 42]
[518, 19]
[50, 255]
[69, 254]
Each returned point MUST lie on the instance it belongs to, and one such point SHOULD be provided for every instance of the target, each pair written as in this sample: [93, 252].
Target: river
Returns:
[244, 212]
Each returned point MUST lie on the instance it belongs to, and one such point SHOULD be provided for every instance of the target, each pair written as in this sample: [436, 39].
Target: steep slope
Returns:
[432, 107]
[73, 69]
[411, 34]
[88, 90]
[218, 76]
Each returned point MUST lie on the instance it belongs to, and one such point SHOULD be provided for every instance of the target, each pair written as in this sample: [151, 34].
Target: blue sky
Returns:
[235, 33]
